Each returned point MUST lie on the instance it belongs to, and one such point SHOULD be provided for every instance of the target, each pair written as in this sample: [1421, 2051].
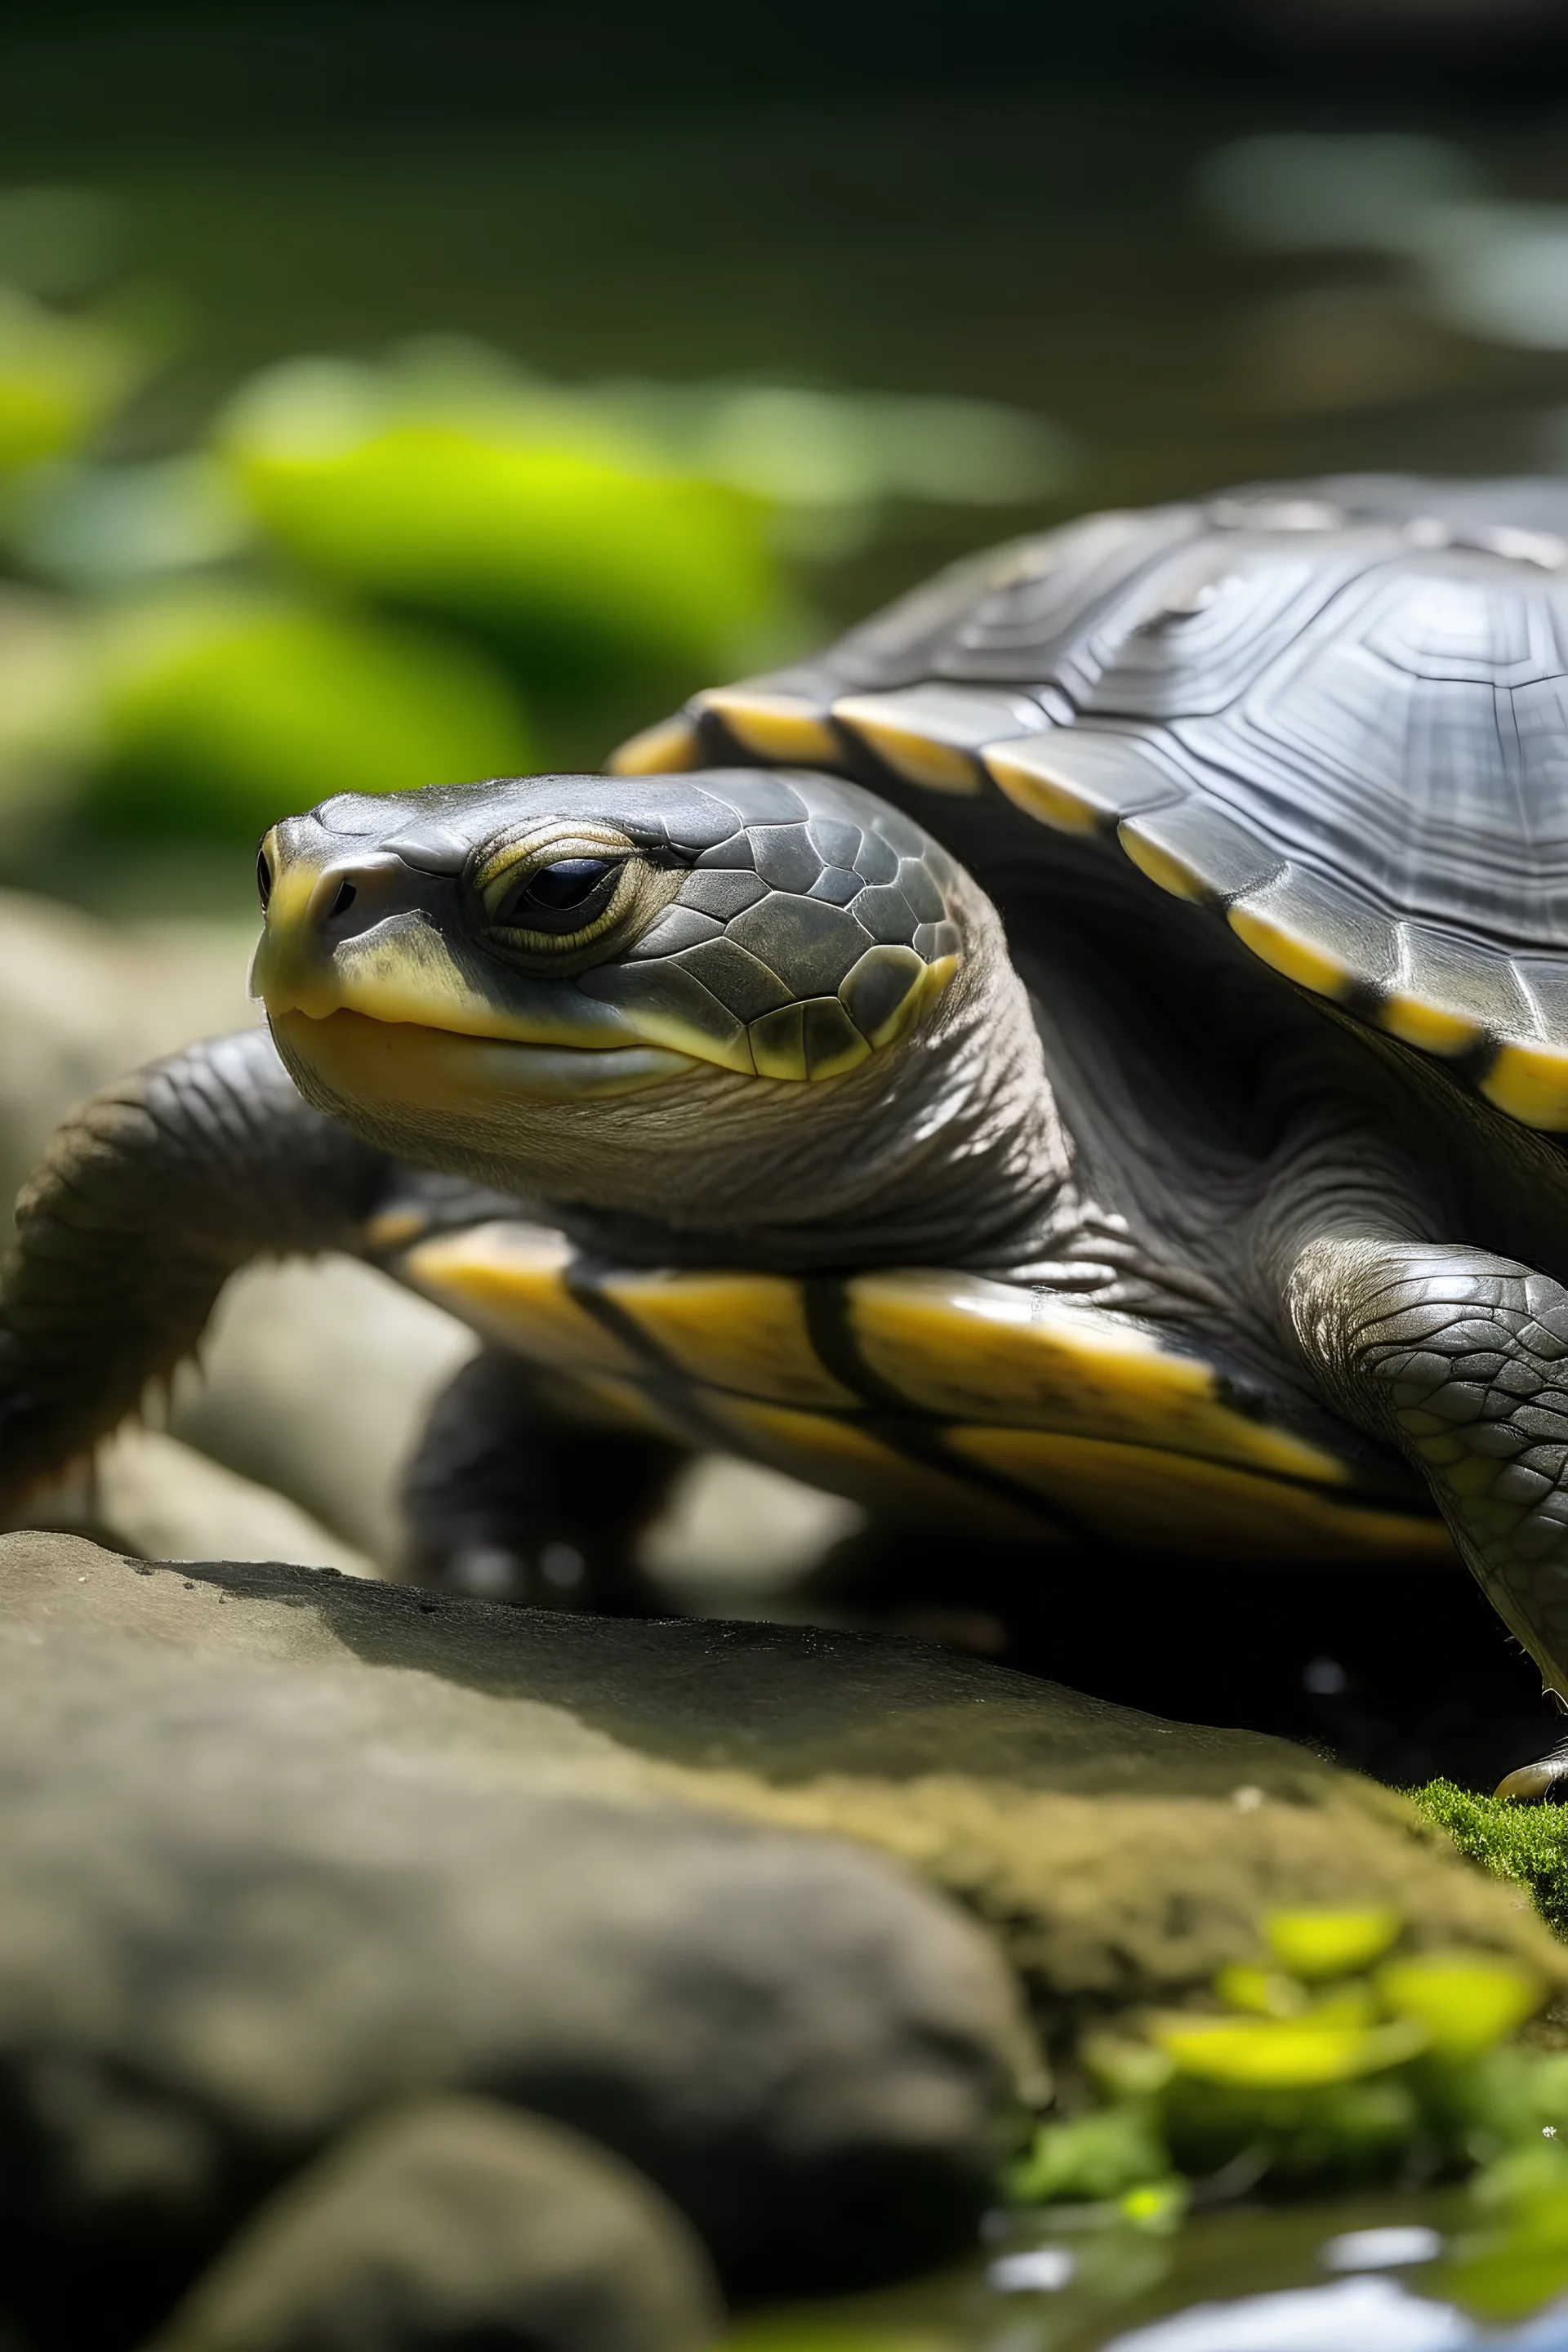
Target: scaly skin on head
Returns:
[762, 1013]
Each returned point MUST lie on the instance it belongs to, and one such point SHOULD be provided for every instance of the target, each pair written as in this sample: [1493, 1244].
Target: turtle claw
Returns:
[1533, 1784]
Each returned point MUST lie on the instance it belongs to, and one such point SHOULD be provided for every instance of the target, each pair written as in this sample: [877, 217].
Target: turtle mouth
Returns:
[364, 1059]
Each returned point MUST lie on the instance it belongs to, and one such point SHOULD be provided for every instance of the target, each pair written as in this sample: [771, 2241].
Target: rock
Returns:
[149, 1494]
[455, 2222]
[1121, 1858]
[258, 1886]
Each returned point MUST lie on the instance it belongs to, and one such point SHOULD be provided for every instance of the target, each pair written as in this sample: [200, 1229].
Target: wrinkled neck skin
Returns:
[944, 1148]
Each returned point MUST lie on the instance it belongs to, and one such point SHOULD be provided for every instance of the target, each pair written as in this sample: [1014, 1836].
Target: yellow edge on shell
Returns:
[1285, 950]
[670, 749]
[1049, 799]
[1161, 865]
[783, 727]
[1435, 1030]
[920, 759]
[1531, 1084]
[1144, 1495]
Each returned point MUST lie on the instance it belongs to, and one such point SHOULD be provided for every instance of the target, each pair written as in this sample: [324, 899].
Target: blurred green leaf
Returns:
[1158, 2207]
[523, 514]
[1261, 1991]
[1093, 2157]
[1466, 2000]
[1314, 1944]
[1285, 2054]
[225, 711]
[60, 378]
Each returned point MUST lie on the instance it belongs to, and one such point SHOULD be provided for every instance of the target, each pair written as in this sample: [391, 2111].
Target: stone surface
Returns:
[147, 1492]
[257, 1884]
[1119, 1856]
[452, 2223]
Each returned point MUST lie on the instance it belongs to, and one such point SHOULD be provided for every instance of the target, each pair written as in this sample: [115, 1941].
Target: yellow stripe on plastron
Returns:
[508, 1282]
[957, 1345]
[846, 1459]
[1169, 1502]
[742, 1331]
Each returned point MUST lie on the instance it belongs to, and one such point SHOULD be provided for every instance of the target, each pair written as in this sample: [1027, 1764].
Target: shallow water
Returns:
[1365, 2273]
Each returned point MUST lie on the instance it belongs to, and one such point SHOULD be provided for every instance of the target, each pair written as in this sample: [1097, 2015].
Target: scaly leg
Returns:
[1461, 1358]
[148, 1199]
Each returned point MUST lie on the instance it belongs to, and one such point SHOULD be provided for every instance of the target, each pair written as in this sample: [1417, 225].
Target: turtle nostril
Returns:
[263, 877]
[343, 902]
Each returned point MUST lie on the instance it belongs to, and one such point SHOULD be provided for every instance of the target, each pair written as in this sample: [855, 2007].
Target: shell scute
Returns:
[1335, 711]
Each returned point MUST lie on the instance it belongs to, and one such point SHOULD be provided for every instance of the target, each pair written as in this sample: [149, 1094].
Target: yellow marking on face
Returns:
[1137, 1494]
[1428, 1026]
[742, 1331]
[783, 727]
[1277, 944]
[1025, 771]
[410, 1067]
[670, 749]
[1531, 1084]
[1161, 863]
[507, 1281]
[937, 976]
[955, 1344]
[403, 972]
[845, 1459]
[918, 758]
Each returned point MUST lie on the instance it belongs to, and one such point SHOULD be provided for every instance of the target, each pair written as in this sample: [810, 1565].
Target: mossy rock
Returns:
[1119, 1858]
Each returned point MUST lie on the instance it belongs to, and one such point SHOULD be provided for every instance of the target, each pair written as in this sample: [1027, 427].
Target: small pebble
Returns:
[1043, 2271]
[1381, 2250]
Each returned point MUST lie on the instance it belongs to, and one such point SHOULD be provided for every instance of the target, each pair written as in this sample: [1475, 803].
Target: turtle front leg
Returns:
[147, 1200]
[1460, 1358]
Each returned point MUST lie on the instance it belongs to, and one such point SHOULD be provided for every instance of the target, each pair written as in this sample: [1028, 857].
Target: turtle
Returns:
[1083, 1059]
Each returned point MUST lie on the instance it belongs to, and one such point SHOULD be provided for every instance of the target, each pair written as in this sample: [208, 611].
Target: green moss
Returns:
[1528, 1844]
[1407, 2071]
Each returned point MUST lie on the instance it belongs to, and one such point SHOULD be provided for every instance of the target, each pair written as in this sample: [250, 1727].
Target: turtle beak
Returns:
[361, 984]
[313, 906]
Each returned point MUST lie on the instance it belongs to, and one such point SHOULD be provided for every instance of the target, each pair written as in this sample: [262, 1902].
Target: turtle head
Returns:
[638, 992]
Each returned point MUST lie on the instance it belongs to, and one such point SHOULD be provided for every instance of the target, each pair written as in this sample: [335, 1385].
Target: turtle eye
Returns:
[561, 897]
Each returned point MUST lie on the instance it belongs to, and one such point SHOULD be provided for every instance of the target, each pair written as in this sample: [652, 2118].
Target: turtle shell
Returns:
[1336, 713]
